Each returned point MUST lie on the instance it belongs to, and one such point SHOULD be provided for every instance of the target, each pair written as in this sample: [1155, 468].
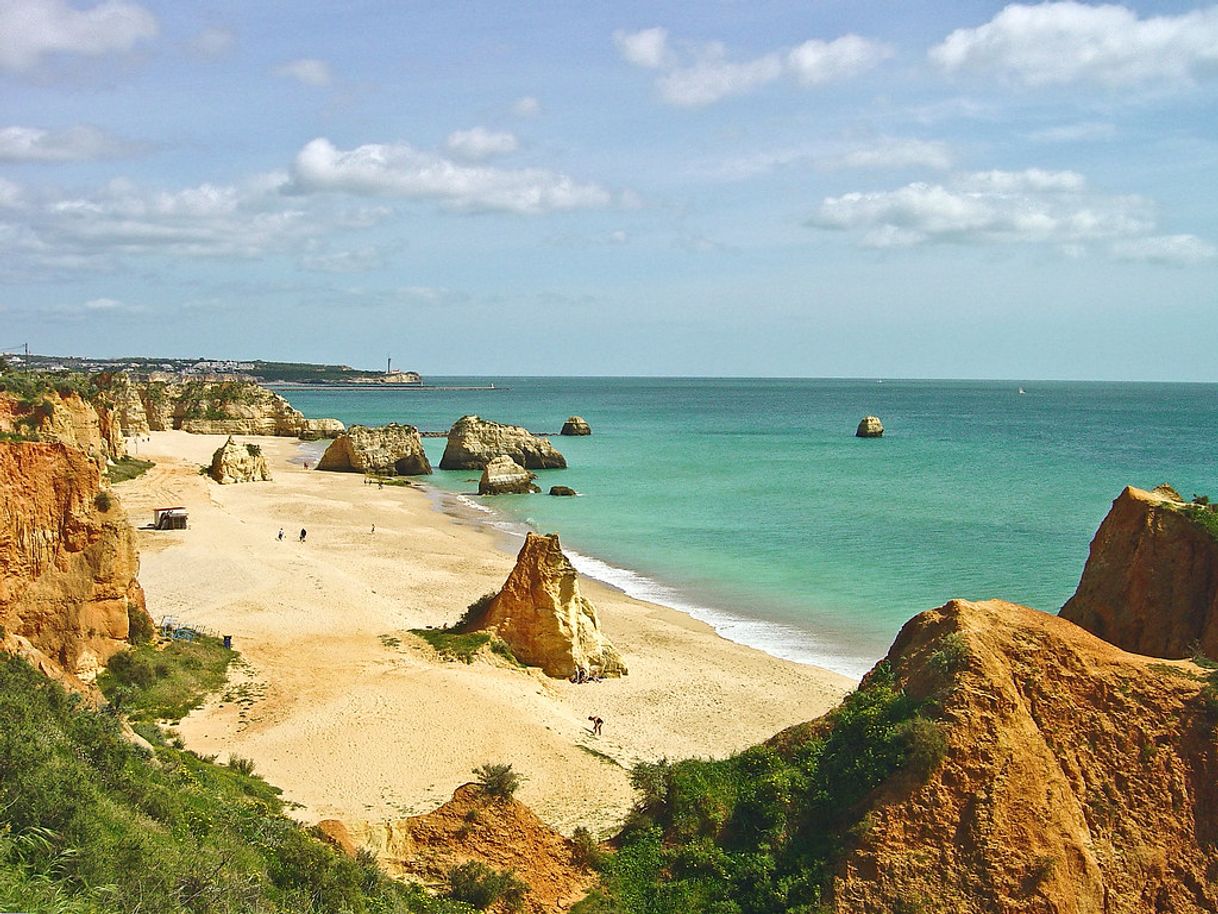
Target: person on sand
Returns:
[303, 534]
[374, 528]
[281, 534]
[597, 723]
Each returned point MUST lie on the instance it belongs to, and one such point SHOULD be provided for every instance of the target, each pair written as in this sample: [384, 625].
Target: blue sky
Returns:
[893, 189]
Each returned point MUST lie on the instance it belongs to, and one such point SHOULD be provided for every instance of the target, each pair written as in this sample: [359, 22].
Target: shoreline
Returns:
[355, 718]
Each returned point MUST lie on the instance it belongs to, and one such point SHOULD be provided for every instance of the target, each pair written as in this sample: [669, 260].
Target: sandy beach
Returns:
[355, 718]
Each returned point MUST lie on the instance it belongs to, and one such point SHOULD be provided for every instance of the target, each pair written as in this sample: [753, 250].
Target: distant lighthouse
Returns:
[388, 364]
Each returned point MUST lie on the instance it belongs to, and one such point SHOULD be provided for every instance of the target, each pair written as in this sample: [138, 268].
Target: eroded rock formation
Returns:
[234, 463]
[1077, 779]
[1150, 584]
[503, 476]
[576, 426]
[68, 563]
[65, 416]
[473, 441]
[545, 620]
[388, 450]
[502, 834]
[566, 491]
[869, 427]
[211, 408]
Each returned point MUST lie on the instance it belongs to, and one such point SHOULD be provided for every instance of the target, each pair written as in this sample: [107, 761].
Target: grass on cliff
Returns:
[463, 646]
[127, 468]
[760, 833]
[152, 682]
[1205, 515]
[89, 824]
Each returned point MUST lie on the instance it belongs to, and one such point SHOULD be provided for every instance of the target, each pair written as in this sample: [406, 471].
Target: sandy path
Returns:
[354, 726]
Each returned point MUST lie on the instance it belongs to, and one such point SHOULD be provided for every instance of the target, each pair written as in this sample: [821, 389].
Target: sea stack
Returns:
[473, 442]
[389, 450]
[575, 426]
[869, 427]
[233, 463]
[545, 620]
[503, 476]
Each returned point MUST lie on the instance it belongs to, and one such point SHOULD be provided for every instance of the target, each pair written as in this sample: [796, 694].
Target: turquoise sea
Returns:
[751, 504]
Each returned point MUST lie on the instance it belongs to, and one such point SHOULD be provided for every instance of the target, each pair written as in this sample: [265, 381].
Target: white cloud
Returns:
[1031, 206]
[526, 106]
[357, 260]
[1059, 43]
[1085, 131]
[890, 152]
[400, 170]
[213, 42]
[31, 29]
[480, 143]
[703, 74]
[103, 304]
[1181, 250]
[307, 70]
[73, 144]
[646, 48]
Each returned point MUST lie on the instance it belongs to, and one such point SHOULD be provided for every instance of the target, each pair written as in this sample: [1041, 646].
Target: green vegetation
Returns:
[474, 612]
[760, 833]
[31, 387]
[148, 683]
[89, 824]
[477, 884]
[127, 468]
[463, 646]
[1204, 514]
[103, 502]
[497, 780]
[586, 850]
[953, 654]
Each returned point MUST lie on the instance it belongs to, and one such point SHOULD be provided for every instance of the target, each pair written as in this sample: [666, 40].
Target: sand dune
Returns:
[357, 719]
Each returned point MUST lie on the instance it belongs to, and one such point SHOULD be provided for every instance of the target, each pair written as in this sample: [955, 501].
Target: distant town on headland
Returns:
[281, 373]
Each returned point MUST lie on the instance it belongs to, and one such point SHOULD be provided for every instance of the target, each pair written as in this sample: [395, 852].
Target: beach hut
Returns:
[169, 518]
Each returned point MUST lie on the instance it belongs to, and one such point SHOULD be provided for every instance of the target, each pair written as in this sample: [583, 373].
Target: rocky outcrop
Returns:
[388, 450]
[233, 463]
[545, 620]
[503, 476]
[502, 834]
[576, 426]
[472, 442]
[210, 408]
[565, 491]
[1077, 778]
[1150, 584]
[66, 417]
[335, 833]
[68, 563]
[869, 427]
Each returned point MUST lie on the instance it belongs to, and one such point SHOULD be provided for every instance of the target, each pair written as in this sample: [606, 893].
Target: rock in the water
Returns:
[1150, 584]
[544, 618]
[562, 490]
[576, 425]
[233, 462]
[388, 450]
[869, 427]
[473, 442]
[503, 476]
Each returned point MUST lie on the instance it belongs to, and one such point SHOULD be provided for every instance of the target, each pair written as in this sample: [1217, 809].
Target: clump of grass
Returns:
[103, 502]
[479, 885]
[127, 468]
[586, 851]
[474, 612]
[148, 683]
[241, 765]
[497, 779]
[452, 645]
[953, 654]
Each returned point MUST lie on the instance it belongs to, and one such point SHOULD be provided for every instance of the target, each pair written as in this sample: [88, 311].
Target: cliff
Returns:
[388, 450]
[1150, 584]
[473, 441]
[65, 416]
[68, 563]
[545, 620]
[210, 408]
[502, 834]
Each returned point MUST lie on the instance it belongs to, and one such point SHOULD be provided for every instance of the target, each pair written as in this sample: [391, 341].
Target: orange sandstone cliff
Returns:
[1151, 581]
[68, 563]
[65, 416]
[1078, 778]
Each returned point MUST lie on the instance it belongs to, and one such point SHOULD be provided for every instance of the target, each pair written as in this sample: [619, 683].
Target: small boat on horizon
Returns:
[1021, 390]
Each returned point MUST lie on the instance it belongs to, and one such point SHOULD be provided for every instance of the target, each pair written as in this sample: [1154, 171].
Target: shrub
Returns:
[927, 745]
[241, 764]
[651, 782]
[129, 669]
[953, 654]
[139, 625]
[474, 612]
[497, 780]
[586, 850]
[103, 502]
[477, 884]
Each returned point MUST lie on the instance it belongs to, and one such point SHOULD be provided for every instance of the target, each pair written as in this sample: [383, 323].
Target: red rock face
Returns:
[1150, 585]
[68, 561]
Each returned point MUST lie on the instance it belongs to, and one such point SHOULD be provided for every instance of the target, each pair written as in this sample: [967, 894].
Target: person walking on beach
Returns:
[303, 534]
[281, 534]
[374, 528]
[597, 723]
